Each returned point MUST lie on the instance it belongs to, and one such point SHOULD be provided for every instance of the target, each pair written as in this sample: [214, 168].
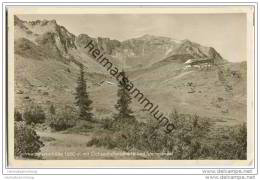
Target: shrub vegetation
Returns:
[27, 142]
[34, 114]
[18, 116]
[193, 138]
[62, 120]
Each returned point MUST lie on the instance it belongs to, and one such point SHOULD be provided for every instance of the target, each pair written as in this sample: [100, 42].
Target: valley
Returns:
[47, 59]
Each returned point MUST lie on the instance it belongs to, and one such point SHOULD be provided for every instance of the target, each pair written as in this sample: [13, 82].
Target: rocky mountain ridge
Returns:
[55, 41]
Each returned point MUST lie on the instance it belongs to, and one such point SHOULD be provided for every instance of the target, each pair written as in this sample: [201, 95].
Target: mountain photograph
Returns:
[130, 87]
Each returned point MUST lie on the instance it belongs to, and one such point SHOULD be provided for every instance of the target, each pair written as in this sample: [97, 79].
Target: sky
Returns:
[225, 32]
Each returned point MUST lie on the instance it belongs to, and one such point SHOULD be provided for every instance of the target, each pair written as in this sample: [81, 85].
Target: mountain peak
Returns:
[153, 37]
[186, 41]
[16, 19]
[147, 36]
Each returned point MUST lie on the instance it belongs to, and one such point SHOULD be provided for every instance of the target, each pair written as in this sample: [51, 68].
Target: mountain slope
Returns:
[47, 56]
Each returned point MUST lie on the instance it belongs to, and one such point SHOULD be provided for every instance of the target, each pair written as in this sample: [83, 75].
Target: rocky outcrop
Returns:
[53, 39]
[107, 45]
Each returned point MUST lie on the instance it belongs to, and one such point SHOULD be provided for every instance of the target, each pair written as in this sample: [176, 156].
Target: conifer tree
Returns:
[124, 100]
[52, 110]
[82, 98]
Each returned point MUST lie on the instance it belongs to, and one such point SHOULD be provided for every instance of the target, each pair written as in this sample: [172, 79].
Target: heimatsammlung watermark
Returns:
[114, 71]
